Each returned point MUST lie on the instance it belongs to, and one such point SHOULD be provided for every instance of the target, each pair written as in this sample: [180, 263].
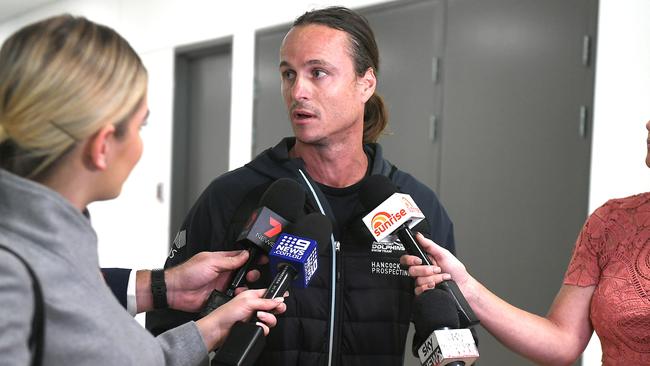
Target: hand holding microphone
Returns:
[294, 260]
[217, 325]
[447, 262]
[190, 283]
[396, 213]
[281, 204]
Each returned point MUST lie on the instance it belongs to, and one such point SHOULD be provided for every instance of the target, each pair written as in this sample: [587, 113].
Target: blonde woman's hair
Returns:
[61, 80]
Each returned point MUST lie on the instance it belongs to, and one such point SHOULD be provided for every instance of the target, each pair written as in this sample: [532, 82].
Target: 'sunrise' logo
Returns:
[384, 220]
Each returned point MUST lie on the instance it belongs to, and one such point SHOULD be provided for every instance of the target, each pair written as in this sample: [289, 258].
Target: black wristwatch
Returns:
[159, 289]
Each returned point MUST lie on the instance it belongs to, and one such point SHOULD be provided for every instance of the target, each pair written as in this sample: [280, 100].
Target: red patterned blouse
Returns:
[613, 253]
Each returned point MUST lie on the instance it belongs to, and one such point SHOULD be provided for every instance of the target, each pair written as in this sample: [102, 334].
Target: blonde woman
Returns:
[73, 97]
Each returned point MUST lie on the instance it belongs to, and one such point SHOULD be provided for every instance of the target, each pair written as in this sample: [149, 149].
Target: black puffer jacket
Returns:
[357, 307]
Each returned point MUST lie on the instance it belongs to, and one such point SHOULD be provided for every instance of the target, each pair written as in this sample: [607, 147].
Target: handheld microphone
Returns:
[393, 212]
[294, 259]
[281, 204]
[397, 213]
[434, 317]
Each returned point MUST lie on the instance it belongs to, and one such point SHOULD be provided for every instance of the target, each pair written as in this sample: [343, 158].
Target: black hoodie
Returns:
[365, 308]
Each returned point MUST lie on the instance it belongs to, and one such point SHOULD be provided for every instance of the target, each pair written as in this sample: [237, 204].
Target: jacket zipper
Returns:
[336, 353]
[335, 274]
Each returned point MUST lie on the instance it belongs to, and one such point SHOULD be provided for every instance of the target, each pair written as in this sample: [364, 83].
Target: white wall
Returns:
[133, 229]
[622, 101]
[622, 107]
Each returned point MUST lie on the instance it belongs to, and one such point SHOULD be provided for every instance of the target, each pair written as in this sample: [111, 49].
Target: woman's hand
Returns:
[216, 325]
[445, 266]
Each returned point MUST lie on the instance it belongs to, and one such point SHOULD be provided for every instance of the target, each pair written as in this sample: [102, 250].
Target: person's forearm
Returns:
[532, 336]
[144, 298]
[212, 331]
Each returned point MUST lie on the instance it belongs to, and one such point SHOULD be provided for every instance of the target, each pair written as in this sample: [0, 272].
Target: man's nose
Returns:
[300, 90]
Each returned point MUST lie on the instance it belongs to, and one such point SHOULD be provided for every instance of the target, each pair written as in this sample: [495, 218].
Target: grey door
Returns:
[410, 37]
[201, 124]
[515, 167]
[270, 118]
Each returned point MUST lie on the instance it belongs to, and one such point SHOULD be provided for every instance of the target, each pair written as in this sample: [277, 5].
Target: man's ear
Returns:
[368, 83]
[99, 147]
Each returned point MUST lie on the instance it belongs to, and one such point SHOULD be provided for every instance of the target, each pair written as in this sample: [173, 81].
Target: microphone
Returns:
[294, 256]
[397, 213]
[294, 259]
[394, 213]
[281, 204]
[434, 314]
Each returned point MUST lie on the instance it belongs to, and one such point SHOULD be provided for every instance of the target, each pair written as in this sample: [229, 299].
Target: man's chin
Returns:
[310, 140]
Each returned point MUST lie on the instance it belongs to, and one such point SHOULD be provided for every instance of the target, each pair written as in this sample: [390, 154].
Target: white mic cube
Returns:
[448, 345]
[396, 210]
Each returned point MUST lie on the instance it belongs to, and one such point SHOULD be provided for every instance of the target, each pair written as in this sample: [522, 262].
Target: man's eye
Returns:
[288, 75]
[319, 73]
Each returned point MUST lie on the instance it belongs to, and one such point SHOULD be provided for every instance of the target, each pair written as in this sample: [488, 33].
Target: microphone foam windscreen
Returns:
[374, 190]
[315, 226]
[286, 198]
[434, 309]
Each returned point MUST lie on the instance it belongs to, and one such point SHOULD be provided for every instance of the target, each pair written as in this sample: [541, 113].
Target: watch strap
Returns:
[159, 289]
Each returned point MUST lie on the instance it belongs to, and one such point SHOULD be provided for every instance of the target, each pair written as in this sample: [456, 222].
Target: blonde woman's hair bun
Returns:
[61, 80]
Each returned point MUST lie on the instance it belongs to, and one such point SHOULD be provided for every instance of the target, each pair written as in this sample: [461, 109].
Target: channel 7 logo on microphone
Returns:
[298, 252]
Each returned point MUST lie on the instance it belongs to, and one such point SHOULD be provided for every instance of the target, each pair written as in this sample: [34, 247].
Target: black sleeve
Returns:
[117, 280]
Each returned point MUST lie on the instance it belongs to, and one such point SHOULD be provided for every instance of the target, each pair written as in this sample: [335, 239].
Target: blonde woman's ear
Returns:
[99, 147]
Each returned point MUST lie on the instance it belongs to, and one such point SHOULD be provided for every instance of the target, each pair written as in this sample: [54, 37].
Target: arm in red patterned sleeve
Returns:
[584, 268]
